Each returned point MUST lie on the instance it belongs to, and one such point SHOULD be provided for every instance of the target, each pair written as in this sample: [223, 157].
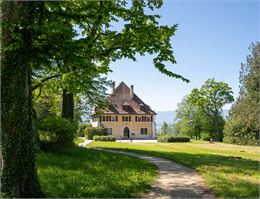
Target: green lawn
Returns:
[79, 140]
[230, 171]
[86, 173]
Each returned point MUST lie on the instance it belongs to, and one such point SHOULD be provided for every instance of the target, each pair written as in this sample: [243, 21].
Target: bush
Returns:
[205, 136]
[90, 132]
[55, 132]
[104, 138]
[81, 129]
[173, 139]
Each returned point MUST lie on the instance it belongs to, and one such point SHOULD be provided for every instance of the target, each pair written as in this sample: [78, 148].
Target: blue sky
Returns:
[211, 41]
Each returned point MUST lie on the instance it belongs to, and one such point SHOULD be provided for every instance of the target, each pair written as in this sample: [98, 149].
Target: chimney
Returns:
[132, 91]
[113, 87]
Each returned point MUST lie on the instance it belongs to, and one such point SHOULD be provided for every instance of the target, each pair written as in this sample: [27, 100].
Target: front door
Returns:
[126, 132]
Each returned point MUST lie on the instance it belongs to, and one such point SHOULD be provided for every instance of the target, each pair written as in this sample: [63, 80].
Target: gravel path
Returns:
[174, 180]
[85, 143]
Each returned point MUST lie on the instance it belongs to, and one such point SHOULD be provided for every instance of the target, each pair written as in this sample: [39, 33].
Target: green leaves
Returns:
[243, 125]
[201, 110]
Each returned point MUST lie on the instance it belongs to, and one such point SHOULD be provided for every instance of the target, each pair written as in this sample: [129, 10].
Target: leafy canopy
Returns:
[77, 40]
[200, 112]
[243, 125]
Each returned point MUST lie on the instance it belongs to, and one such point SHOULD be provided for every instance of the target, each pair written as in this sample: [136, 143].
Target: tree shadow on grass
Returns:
[227, 176]
[81, 172]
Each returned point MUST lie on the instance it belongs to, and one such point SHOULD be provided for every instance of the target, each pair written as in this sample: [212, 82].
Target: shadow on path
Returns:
[174, 180]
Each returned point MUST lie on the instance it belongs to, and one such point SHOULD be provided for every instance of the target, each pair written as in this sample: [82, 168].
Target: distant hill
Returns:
[169, 116]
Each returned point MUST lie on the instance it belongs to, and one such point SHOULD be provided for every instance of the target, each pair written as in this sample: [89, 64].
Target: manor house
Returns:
[127, 116]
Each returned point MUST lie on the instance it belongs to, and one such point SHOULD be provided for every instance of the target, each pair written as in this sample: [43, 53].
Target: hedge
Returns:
[173, 139]
[81, 129]
[90, 132]
[104, 138]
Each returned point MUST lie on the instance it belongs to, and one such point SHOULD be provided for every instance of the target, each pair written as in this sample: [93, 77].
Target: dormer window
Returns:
[142, 107]
[125, 107]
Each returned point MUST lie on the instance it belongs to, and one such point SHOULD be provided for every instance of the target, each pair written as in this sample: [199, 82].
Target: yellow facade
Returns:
[137, 129]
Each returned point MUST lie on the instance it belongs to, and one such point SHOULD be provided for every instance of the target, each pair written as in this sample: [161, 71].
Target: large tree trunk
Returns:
[19, 176]
[67, 105]
[216, 127]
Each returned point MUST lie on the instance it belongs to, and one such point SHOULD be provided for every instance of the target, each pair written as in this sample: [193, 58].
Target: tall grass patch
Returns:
[87, 173]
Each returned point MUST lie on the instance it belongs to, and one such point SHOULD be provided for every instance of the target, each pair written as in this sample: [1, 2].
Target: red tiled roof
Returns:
[121, 102]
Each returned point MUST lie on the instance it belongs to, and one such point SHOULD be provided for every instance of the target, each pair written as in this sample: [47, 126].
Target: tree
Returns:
[212, 97]
[189, 119]
[243, 126]
[18, 148]
[95, 43]
[199, 114]
[48, 100]
[164, 129]
[40, 42]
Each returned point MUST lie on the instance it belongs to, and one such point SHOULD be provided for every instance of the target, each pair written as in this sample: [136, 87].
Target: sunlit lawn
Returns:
[230, 171]
[79, 140]
[87, 173]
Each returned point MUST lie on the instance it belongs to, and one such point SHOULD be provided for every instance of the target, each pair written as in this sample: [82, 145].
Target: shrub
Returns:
[55, 132]
[205, 136]
[81, 129]
[90, 132]
[104, 138]
[173, 139]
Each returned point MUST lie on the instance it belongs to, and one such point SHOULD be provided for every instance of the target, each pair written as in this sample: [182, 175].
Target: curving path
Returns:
[174, 181]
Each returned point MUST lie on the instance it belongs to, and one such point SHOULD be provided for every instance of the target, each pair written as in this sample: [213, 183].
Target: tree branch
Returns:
[43, 81]
[108, 51]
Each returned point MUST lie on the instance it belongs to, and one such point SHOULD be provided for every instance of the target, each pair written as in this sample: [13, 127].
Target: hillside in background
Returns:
[169, 116]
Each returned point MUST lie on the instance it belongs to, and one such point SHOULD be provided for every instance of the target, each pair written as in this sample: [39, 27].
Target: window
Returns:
[126, 118]
[109, 118]
[138, 119]
[114, 118]
[109, 131]
[143, 118]
[126, 107]
[143, 131]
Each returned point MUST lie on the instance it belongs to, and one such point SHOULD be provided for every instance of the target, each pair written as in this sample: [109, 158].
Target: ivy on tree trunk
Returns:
[19, 176]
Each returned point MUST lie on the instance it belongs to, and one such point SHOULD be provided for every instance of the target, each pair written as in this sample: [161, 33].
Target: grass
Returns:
[230, 171]
[79, 140]
[87, 173]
